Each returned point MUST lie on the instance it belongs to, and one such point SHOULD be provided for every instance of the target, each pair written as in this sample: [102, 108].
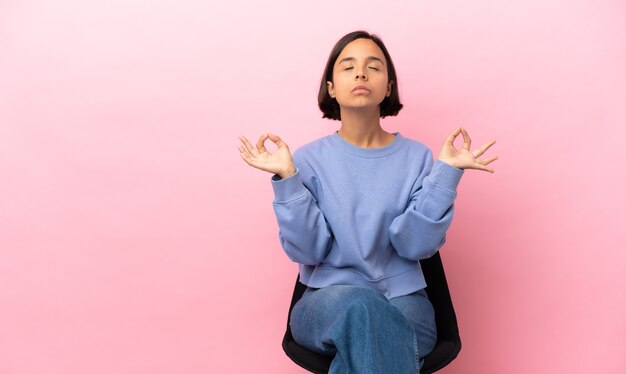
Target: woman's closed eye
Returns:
[371, 67]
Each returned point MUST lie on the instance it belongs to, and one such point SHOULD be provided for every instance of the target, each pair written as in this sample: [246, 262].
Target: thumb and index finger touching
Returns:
[260, 145]
[276, 139]
[467, 141]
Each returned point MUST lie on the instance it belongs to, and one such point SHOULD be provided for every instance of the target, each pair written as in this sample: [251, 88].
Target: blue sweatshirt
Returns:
[364, 216]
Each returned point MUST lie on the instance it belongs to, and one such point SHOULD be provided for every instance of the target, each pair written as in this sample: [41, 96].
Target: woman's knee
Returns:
[319, 311]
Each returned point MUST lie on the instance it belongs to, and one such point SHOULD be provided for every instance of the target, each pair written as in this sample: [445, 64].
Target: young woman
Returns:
[357, 210]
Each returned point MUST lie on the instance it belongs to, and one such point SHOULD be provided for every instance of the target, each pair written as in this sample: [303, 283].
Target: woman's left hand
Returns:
[464, 158]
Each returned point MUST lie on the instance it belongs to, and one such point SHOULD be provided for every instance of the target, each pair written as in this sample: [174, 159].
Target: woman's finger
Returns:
[245, 155]
[480, 166]
[260, 145]
[467, 141]
[451, 137]
[243, 150]
[477, 153]
[489, 160]
[248, 146]
[276, 139]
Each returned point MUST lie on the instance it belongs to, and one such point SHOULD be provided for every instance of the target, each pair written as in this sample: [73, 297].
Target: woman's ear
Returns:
[389, 85]
[330, 89]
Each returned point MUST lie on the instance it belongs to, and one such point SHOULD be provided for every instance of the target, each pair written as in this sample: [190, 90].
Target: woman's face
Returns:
[361, 63]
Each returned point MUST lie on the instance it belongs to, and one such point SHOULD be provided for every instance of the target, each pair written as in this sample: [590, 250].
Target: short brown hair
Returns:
[329, 106]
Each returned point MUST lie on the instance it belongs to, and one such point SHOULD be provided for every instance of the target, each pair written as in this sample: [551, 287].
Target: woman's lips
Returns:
[360, 89]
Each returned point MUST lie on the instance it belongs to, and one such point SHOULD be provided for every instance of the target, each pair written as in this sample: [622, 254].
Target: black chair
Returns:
[448, 340]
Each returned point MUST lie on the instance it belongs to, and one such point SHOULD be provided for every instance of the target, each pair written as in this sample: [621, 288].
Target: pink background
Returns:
[133, 238]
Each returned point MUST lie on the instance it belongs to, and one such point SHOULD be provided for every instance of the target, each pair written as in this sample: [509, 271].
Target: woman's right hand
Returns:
[279, 162]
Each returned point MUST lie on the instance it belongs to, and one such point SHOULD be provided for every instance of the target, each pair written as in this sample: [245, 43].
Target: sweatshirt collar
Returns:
[367, 152]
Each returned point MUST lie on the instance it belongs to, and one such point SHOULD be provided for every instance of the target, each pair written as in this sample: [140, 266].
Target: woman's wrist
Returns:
[287, 173]
[450, 162]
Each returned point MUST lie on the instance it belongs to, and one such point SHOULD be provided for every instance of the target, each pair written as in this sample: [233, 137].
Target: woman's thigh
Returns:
[420, 314]
[319, 310]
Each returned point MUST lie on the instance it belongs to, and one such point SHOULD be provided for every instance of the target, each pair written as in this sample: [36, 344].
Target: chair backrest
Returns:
[448, 340]
[305, 358]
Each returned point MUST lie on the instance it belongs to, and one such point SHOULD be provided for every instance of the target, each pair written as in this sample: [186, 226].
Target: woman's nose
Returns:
[360, 71]
[361, 74]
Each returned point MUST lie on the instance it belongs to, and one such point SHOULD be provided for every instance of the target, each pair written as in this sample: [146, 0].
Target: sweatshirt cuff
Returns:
[445, 175]
[289, 188]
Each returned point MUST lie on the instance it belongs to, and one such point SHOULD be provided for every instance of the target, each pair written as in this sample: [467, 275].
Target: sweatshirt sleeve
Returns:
[303, 231]
[421, 230]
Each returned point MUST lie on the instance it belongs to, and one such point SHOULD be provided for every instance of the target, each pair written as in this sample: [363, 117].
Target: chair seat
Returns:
[309, 360]
[444, 352]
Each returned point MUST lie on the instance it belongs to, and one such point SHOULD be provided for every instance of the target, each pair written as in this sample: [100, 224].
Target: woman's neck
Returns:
[362, 129]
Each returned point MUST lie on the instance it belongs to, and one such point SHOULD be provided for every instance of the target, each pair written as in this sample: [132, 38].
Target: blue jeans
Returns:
[365, 331]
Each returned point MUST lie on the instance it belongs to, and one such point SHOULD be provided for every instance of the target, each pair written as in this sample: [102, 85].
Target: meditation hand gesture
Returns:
[279, 162]
[463, 158]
